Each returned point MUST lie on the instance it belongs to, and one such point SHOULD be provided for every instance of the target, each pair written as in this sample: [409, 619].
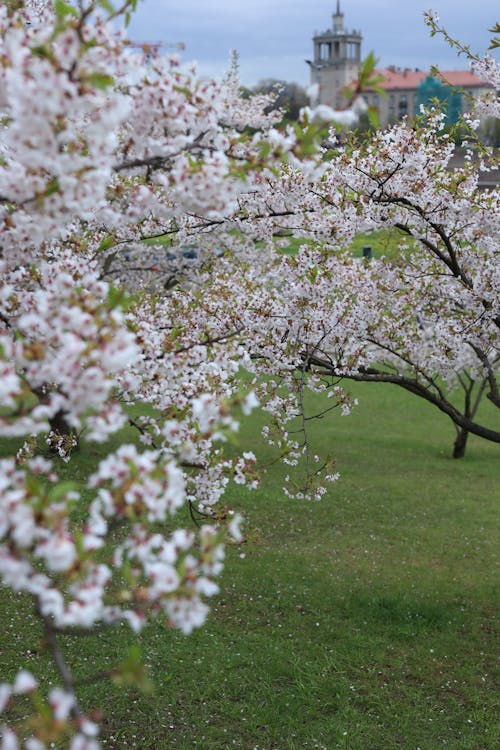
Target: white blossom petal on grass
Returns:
[234, 527]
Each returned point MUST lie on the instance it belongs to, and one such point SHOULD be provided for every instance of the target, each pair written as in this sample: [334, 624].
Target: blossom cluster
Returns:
[58, 718]
[102, 147]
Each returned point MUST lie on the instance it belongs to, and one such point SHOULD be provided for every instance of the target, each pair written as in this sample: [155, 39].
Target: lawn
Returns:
[383, 243]
[365, 621]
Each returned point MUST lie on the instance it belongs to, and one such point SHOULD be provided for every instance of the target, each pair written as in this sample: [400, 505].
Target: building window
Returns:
[402, 106]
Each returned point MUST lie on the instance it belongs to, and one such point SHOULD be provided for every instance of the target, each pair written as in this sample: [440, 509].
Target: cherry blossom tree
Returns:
[428, 323]
[104, 147]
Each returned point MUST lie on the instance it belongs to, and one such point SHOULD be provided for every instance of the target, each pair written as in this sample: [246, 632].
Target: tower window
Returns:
[325, 51]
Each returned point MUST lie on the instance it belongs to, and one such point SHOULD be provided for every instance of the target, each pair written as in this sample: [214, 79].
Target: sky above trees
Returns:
[274, 37]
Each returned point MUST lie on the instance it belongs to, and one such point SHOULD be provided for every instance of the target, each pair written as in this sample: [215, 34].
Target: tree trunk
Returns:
[58, 423]
[63, 439]
[460, 443]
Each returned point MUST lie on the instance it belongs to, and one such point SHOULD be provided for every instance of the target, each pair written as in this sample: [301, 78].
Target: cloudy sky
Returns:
[273, 37]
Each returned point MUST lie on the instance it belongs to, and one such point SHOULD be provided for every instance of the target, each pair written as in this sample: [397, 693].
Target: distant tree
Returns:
[489, 132]
[290, 97]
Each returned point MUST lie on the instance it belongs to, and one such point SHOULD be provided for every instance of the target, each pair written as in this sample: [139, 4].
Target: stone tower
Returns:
[337, 59]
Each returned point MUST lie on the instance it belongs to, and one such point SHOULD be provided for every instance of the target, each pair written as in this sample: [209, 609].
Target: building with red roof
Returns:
[336, 65]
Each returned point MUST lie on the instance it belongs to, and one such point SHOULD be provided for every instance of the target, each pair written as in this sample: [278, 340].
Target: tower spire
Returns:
[338, 20]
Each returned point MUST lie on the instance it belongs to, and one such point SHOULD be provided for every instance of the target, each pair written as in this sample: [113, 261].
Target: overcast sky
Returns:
[274, 37]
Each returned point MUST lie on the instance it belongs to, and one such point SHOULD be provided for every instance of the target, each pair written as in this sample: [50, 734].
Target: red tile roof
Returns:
[396, 78]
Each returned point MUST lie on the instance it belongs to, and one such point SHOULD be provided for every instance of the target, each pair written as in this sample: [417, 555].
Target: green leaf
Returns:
[108, 6]
[100, 80]
[373, 117]
[42, 50]
[107, 242]
[52, 187]
[63, 9]
[117, 297]
[79, 542]
[133, 672]
[313, 274]
[58, 491]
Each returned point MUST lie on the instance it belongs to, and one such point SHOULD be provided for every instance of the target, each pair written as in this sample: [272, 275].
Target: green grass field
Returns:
[383, 243]
[365, 621]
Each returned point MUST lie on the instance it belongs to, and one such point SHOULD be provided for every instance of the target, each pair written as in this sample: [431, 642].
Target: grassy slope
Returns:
[383, 243]
[363, 621]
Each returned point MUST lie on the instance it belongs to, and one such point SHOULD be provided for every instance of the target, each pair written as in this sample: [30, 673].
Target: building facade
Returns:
[337, 58]
[336, 65]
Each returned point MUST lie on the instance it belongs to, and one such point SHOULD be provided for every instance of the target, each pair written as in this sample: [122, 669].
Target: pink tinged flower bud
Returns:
[80, 742]
[24, 682]
[59, 552]
[8, 739]
[61, 703]
[89, 728]
[32, 743]
[5, 693]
